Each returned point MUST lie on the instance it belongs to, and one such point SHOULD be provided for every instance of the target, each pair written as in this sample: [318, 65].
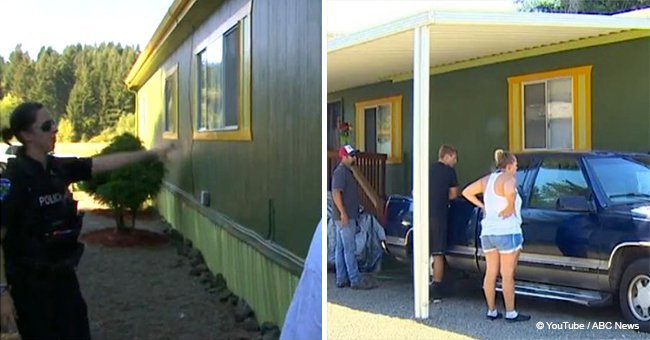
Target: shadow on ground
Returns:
[460, 314]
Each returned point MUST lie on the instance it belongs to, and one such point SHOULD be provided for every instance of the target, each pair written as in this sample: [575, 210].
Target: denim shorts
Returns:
[503, 243]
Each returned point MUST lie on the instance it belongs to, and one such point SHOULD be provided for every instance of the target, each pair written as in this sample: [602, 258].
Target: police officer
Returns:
[40, 225]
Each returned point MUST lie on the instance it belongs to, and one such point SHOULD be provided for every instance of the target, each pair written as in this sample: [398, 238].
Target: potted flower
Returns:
[344, 130]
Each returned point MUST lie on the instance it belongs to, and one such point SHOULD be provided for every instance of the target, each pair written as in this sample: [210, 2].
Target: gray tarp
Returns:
[369, 238]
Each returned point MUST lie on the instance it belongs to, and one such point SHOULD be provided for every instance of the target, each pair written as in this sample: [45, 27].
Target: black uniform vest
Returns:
[47, 225]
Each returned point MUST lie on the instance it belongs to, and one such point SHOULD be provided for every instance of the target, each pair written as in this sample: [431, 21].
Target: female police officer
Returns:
[40, 226]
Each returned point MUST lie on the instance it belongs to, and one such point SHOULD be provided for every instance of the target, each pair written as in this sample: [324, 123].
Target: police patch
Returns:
[5, 185]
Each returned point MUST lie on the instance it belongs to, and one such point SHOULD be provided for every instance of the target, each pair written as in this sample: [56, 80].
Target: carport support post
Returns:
[421, 171]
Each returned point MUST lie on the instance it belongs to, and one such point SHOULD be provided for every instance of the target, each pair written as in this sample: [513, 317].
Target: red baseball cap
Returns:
[347, 150]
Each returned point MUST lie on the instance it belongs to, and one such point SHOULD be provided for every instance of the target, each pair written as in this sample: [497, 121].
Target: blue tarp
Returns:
[368, 239]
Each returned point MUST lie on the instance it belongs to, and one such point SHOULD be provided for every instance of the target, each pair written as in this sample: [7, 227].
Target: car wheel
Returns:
[634, 294]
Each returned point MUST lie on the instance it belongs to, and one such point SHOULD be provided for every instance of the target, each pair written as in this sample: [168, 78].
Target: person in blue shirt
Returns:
[304, 318]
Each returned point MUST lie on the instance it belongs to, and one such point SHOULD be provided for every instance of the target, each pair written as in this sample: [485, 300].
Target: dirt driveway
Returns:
[147, 292]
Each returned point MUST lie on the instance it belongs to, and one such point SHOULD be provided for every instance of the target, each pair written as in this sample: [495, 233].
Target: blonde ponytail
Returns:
[498, 156]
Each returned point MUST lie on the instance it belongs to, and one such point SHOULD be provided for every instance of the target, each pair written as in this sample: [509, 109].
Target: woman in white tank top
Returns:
[501, 237]
[493, 223]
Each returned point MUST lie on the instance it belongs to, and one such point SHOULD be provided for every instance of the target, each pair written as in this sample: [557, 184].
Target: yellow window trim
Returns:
[243, 132]
[581, 88]
[172, 71]
[396, 125]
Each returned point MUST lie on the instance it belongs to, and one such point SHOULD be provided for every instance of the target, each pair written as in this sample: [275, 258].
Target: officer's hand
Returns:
[163, 151]
[7, 314]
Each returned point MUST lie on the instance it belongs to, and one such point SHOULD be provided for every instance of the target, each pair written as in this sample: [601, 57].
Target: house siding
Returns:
[279, 168]
[469, 107]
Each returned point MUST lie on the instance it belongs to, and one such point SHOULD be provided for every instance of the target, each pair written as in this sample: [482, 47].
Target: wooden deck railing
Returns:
[370, 173]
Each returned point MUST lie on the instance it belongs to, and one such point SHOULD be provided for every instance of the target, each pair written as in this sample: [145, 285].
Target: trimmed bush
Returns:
[126, 189]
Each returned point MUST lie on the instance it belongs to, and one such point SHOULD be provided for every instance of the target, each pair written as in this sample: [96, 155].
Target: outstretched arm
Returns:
[117, 160]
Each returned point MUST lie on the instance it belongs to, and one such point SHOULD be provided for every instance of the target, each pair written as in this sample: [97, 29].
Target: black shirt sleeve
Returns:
[76, 169]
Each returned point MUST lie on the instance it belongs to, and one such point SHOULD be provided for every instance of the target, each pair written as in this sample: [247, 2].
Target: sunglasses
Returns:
[48, 125]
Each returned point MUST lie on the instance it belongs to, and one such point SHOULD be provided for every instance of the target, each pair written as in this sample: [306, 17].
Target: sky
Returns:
[346, 16]
[58, 23]
[37, 23]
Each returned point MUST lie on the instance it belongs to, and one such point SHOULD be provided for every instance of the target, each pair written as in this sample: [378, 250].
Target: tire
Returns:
[634, 294]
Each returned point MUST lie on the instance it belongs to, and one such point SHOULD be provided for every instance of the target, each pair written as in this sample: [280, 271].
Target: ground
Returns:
[387, 313]
[146, 292]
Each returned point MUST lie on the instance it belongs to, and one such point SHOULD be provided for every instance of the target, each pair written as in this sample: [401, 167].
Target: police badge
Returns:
[5, 185]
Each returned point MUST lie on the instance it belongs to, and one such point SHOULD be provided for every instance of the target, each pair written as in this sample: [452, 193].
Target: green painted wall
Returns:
[282, 164]
[469, 108]
[267, 286]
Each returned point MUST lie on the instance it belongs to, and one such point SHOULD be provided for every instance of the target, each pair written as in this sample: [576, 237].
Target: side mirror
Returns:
[574, 203]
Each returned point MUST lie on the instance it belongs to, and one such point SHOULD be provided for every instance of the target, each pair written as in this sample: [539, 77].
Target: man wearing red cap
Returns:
[345, 214]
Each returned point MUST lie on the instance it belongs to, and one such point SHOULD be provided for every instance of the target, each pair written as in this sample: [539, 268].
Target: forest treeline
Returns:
[83, 87]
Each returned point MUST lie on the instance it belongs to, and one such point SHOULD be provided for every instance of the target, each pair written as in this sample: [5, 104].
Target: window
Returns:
[550, 110]
[170, 117]
[623, 180]
[548, 114]
[223, 81]
[379, 127]
[558, 177]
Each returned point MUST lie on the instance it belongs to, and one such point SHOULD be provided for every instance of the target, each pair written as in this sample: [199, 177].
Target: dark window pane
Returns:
[171, 100]
[232, 76]
[370, 129]
[535, 116]
[202, 72]
[214, 86]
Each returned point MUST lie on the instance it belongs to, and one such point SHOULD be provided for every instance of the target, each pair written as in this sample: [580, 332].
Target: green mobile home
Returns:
[519, 81]
[236, 85]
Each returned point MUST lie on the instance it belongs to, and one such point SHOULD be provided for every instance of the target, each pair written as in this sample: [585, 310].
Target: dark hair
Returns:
[446, 149]
[22, 118]
[503, 158]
